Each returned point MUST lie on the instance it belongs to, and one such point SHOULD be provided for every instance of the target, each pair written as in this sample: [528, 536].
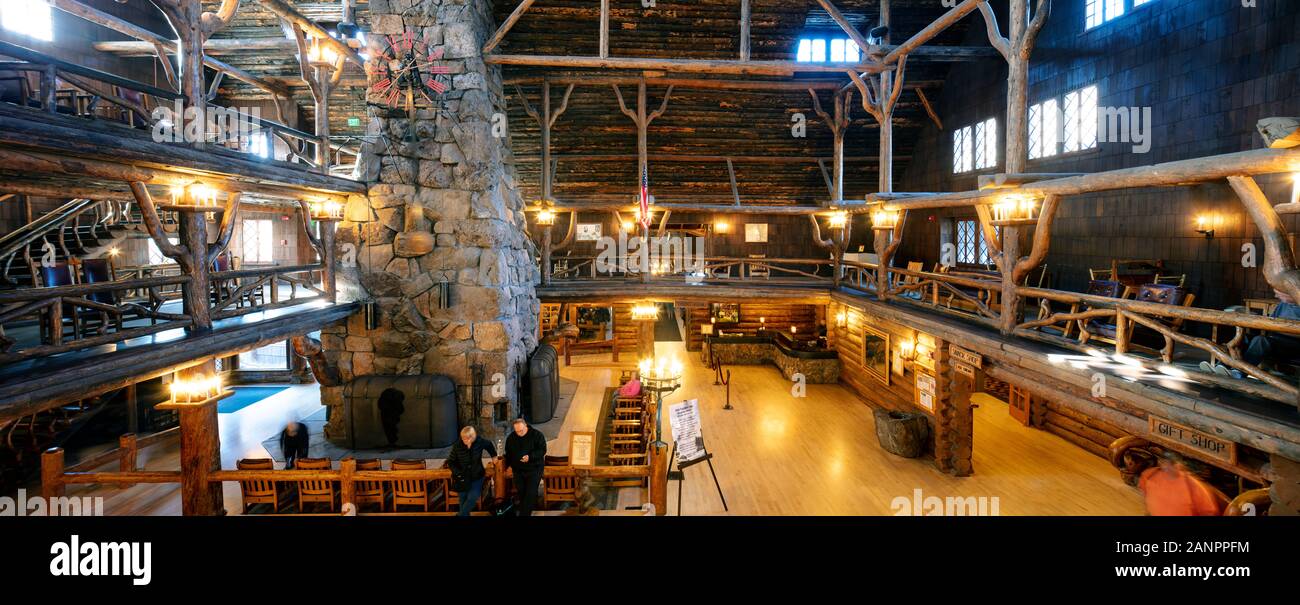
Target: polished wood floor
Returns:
[775, 454]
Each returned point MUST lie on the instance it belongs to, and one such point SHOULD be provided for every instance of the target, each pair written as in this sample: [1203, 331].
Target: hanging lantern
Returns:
[1015, 209]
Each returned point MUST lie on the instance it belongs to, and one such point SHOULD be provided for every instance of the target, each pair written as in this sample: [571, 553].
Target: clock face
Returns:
[407, 72]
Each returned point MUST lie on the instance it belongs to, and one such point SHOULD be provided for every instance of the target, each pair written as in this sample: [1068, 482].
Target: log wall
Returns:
[778, 317]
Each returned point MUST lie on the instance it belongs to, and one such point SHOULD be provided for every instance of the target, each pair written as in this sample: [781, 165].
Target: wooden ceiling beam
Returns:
[700, 66]
[289, 13]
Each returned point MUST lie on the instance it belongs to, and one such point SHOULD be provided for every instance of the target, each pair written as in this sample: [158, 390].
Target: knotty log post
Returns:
[659, 478]
[200, 449]
[643, 121]
[321, 78]
[955, 423]
[839, 125]
[1279, 258]
[546, 120]
[324, 247]
[193, 253]
[52, 473]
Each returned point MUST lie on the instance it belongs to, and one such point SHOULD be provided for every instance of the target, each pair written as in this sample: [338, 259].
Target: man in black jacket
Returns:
[466, 464]
[294, 442]
[526, 455]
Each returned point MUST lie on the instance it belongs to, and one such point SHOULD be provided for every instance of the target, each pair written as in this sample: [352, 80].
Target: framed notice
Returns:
[588, 232]
[925, 390]
[756, 233]
[876, 353]
[582, 448]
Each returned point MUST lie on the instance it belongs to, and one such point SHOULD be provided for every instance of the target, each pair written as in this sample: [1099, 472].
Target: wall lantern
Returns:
[194, 195]
[907, 350]
[838, 219]
[762, 323]
[645, 312]
[328, 210]
[841, 319]
[1205, 225]
[721, 227]
[1015, 209]
[884, 220]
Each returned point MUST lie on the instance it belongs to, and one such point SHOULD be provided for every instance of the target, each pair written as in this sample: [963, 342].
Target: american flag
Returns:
[645, 197]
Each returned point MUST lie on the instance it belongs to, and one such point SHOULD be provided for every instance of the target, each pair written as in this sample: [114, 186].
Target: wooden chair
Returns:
[260, 491]
[759, 269]
[58, 274]
[1152, 293]
[410, 492]
[1172, 280]
[557, 490]
[315, 491]
[1101, 274]
[370, 492]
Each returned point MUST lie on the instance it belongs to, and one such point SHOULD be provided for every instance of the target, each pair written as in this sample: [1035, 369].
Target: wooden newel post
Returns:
[659, 478]
[52, 473]
[126, 456]
[499, 478]
[546, 254]
[347, 483]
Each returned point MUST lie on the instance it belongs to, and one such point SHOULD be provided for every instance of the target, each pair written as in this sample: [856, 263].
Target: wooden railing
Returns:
[55, 476]
[705, 269]
[258, 289]
[51, 304]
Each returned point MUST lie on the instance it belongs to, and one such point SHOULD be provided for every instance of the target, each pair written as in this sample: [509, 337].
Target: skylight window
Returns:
[28, 17]
[822, 50]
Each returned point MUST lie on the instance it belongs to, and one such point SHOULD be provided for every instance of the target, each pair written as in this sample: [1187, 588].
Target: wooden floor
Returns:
[775, 454]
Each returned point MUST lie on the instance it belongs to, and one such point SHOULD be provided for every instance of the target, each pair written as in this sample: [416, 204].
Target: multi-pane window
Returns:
[1096, 12]
[156, 257]
[971, 247]
[821, 50]
[259, 144]
[1069, 124]
[258, 239]
[975, 147]
[28, 17]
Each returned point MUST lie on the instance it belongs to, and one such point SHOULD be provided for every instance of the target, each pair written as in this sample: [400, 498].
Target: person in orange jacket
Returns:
[1173, 491]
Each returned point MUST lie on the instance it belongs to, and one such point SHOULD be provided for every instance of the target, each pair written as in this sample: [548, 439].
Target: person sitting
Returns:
[294, 442]
[1268, 349]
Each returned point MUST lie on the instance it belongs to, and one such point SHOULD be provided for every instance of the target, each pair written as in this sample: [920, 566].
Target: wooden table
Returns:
[1264, 306]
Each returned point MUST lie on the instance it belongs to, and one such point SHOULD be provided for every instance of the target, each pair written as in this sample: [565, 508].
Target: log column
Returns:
[200, 449]
[643, 121]
[955, 424]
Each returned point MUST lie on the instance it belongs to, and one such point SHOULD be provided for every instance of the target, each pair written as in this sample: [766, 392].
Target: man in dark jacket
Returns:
[466, 464]
[391, 407]
[526, 455]
[294, 440]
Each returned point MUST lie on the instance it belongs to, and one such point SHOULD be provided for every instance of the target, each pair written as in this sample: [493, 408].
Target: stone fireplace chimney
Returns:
[442, 208]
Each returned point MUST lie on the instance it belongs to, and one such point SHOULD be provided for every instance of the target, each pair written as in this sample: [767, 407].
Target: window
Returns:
[971, 247]
[1097, 12]
[821, 50]
[258, 237]
[28, 17]
[975, 147]
[156, 257]
[1067, 125]
[259, 144]
[270, 357]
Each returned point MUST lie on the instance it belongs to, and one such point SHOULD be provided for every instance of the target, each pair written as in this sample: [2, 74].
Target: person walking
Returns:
[466, 463]
[526, 456]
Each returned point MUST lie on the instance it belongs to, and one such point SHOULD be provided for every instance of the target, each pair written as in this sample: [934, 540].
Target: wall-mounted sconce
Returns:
[762, 323]
[320, 54]
[794, 329]
[884, 220]
[838, 220]
[328, 210]
[194, 195]
[626, 226]
[645, 312]
[114, 252]
[841, 319]
[1015, 209]
[721, 227]
[1205, 226]
[907, 350]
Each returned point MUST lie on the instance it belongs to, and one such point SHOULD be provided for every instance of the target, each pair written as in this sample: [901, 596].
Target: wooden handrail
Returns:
[82, 290]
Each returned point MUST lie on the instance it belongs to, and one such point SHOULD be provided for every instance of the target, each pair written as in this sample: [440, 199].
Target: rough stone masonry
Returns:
[442, 207]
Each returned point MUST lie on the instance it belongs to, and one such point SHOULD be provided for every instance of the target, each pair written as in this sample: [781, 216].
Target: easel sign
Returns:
[684, 420]
[582, 449]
